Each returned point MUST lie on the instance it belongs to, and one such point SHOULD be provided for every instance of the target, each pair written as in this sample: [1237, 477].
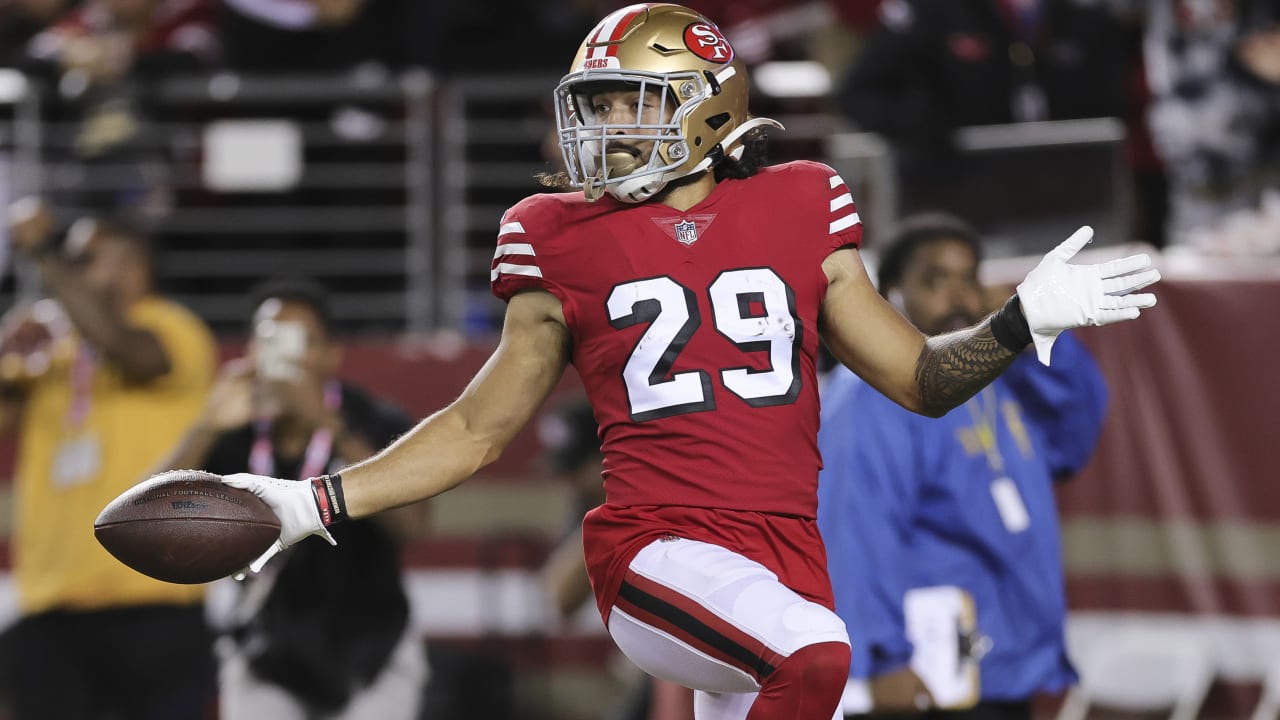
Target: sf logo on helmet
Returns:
[705, 41]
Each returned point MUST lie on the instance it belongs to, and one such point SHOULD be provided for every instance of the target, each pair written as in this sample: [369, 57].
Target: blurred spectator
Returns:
[759, 28]
[21, 20]
[935, 65]
[840, 42]
[573, 441]
[859, 15]
[292, 36]
[325, 633]
[507, 35]
[764, 30]
[366, 41]
[1150, 184]
[573, 453]
[1214, 73]
[100, 62]
[944, 533]
[107, 375]
[104, 41]
[468, 683]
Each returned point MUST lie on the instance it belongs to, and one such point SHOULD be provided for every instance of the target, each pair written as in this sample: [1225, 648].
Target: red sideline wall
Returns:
[424, 375]
[1190, 442]
[1175, 523]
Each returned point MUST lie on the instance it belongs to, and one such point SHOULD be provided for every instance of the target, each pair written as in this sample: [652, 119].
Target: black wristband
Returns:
[329, 498]
[1009, 326]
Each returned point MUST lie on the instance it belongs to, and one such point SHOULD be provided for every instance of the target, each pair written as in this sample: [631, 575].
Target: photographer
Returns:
[98, 379]
[325, 634]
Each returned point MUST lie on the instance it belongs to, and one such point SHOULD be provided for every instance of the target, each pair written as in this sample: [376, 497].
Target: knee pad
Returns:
[822, 666]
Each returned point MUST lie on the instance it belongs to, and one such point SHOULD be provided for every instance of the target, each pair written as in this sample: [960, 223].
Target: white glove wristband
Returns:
[292, 501]
[1057, 296]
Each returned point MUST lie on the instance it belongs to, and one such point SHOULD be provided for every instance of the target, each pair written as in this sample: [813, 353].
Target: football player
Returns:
[688, 285]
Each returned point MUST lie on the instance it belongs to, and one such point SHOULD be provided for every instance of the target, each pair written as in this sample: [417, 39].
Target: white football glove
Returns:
[294, 502]
[1056, 296]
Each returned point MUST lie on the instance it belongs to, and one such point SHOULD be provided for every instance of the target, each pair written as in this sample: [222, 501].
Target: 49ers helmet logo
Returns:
[705, 41]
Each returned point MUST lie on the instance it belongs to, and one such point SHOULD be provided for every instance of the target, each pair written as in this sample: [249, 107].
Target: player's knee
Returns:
[827, 665]
[821, 668]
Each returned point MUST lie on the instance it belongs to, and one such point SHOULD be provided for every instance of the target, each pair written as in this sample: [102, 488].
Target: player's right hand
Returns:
[293, 501]
[1058, 296]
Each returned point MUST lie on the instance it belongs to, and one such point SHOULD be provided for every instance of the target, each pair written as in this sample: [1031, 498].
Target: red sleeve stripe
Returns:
[836, 181]
[842, 201]
[511, 228]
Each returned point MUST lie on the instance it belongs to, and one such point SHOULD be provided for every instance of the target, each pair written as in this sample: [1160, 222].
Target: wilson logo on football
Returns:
[706, 42]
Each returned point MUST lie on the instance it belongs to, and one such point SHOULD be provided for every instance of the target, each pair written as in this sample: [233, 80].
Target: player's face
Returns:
[622, 110]
[940, 290]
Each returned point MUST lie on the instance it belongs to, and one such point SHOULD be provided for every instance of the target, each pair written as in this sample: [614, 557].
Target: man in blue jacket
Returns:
[942, 534]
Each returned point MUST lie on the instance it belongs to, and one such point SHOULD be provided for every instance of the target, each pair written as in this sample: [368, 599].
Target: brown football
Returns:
[185, 526]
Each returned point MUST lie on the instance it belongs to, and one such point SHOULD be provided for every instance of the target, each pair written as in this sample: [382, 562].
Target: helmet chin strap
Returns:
[593, 187]
[641, 189]
[728, 144]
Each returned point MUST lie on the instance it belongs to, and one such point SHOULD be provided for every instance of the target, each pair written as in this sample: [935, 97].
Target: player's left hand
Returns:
[292, 501]
[1058, 296]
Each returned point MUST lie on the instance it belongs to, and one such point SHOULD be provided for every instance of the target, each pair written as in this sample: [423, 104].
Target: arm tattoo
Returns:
[952, 368]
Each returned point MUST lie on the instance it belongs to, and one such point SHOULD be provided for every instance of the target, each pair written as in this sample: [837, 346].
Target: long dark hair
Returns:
[755, 155]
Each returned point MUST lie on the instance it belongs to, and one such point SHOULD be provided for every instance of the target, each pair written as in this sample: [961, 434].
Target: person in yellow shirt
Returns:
[100, 380]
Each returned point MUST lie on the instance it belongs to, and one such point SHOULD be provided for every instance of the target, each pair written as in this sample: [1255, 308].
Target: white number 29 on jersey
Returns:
[752, 307]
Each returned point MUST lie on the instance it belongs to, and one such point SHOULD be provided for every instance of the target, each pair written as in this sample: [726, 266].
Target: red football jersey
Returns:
[695, 332]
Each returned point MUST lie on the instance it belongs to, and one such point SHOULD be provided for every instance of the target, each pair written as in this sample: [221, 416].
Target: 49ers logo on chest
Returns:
[705, 41]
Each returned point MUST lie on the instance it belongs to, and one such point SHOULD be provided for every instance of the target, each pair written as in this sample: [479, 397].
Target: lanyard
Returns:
[1004, 491]
[983, 409]
[82, 369]
[262, 456]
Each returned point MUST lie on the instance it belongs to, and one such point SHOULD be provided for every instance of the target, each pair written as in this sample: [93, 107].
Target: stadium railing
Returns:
[390, 189]
[20, 166]
[243, 178]
[1026, 186]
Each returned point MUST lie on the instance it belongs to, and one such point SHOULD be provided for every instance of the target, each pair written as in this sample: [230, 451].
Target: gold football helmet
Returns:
[661, 50]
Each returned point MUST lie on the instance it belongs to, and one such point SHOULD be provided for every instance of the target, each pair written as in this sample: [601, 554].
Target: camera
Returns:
[278, 350]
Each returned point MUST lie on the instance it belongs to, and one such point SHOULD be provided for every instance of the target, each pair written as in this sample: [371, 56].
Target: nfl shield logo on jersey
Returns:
[686, 232]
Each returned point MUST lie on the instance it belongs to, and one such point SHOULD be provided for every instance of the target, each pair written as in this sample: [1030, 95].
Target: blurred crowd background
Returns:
[372, 146]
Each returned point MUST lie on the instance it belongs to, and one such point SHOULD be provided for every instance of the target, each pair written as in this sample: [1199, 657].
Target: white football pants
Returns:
[708, 618]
